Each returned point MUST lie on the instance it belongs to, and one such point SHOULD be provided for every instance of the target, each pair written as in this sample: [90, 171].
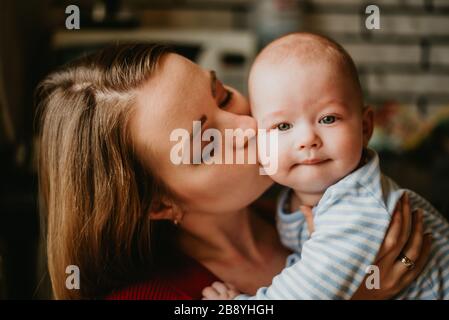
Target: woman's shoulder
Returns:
[183, 281]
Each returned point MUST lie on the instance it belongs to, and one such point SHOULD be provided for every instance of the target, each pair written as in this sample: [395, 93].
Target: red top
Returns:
[185, 282]
[187, 279]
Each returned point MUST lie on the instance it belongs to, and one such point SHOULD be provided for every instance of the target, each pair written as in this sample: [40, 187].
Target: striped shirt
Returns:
[351, 220]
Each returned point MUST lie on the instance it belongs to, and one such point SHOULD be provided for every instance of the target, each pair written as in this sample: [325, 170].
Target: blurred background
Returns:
[403, 66]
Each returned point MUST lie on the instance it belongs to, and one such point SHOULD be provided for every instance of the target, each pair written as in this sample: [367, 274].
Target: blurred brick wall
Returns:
[407, 60]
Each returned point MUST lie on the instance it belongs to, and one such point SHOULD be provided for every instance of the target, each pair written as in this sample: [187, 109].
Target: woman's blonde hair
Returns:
[95, 193]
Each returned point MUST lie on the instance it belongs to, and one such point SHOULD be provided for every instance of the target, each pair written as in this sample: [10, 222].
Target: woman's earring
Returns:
[176, 222]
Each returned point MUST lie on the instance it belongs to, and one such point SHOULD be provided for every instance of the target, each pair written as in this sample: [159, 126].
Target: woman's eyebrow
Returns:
[213, 82]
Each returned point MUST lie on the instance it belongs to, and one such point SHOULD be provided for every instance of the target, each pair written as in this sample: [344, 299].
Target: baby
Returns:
[305, 87]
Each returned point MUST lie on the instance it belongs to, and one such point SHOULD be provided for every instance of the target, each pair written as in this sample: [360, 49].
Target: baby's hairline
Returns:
[302, 43]
[275, 53]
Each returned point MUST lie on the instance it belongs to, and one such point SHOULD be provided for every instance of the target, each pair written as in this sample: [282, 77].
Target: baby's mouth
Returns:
[311, 162]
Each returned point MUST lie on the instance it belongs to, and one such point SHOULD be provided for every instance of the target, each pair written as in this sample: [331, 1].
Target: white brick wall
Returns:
[381, 53]
[335, 23]
[414, 25]
[415, 84]
[407, 59]
[337, 2]
[419, 3]
[389, 24]
[439, 55]
[441, 3]
[187, 18]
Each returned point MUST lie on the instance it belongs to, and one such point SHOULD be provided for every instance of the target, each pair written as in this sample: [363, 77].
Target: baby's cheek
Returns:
[284, 158]
[352, 151]
[345, 142]
[347, 157]
[283, 165]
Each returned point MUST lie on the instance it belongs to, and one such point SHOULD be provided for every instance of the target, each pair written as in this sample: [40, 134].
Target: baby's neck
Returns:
[304, 199]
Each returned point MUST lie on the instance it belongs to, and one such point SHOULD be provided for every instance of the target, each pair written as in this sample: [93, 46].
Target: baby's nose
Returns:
[308, 139]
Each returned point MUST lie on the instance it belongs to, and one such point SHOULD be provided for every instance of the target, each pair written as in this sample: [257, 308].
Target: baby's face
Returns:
[318, 117]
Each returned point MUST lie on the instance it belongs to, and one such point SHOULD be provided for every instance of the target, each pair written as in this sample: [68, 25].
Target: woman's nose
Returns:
[246, 122]
[242, 127]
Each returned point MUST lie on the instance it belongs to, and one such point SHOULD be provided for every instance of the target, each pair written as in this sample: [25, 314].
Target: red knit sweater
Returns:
[185, 282]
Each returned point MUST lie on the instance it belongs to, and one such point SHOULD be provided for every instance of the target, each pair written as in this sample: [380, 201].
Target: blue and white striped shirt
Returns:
[351, 220]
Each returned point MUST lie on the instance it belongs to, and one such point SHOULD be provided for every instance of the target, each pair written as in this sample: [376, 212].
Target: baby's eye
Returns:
[283, 126]
[328, 120]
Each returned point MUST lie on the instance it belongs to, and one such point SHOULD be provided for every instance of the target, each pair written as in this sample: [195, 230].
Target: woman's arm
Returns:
[405, 235]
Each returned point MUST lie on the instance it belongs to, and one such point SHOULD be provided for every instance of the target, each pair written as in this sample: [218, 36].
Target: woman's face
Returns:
[179, 93]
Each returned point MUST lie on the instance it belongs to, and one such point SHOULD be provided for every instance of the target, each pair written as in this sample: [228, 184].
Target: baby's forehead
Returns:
[299, 72]
[299, 53]
[302, 49]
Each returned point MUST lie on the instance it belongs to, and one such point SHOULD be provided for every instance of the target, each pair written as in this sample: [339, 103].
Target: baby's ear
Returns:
[368, 124]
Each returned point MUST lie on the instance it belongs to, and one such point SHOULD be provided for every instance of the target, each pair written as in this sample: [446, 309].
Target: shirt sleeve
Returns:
[348, 234]
[292, 229]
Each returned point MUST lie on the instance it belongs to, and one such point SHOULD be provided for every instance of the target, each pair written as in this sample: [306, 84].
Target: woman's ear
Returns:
[164, 210]
[162, 214]
[368, 124]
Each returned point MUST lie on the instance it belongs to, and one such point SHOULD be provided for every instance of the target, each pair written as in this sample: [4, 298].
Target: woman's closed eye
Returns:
[226, 99]
[223, 94]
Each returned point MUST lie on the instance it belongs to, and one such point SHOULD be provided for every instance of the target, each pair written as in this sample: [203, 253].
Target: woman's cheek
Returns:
[239, 104]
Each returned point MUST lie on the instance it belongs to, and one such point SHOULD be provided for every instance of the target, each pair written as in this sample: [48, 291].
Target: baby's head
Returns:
[306, 87]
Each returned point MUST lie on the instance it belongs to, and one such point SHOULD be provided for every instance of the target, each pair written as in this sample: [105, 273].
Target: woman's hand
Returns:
[308, 215]
[404, 237]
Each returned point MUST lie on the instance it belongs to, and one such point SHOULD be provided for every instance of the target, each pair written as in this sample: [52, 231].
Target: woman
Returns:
[137, 224]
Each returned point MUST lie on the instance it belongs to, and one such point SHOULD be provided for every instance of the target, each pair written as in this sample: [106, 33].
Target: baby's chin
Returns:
[311, 187]
[310, 182]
